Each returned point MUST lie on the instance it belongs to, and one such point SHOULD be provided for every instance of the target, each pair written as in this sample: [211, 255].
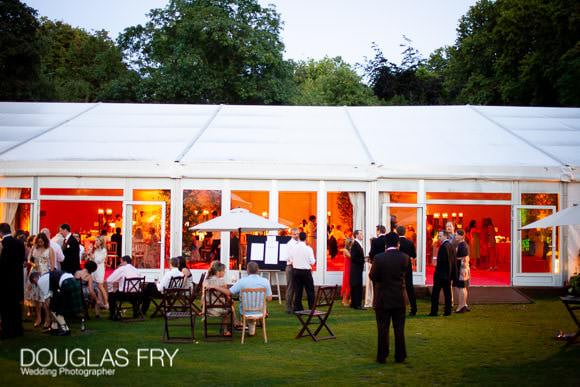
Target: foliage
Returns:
[19, 56]
[411, 83]
[329, 81]
[345, 209]
[81, 66]
[209, 51]
[516, 52]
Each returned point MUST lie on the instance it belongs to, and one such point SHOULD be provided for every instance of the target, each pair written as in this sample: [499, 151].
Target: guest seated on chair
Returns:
[125, 270]
[215, 280]
[174, 272]
[252, 281]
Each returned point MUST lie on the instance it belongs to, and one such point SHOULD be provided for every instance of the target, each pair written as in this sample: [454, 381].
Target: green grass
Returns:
[492, 345]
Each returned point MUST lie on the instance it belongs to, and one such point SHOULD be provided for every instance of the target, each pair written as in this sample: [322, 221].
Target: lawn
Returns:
[492, 345]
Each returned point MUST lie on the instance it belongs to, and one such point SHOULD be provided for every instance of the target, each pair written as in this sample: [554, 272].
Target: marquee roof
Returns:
[102, 139]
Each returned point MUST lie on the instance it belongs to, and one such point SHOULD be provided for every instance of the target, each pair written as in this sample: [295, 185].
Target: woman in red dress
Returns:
[344, 251]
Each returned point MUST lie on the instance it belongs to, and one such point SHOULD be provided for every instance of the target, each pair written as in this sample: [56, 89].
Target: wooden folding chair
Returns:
[177, 306]
[197, 292]
[174, 283]
[253, 303]
[319, 314]
[133, 294]
[216, 305]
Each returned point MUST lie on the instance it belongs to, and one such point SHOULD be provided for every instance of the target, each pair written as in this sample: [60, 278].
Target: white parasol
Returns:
[567, 217]
[238, 219]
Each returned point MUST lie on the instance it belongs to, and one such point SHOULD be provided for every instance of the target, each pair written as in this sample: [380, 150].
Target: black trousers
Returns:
[356, 285]
[384, 317]
[11, 312]
[118, 296]
[439, 284]
[411, 292]
[303, 280]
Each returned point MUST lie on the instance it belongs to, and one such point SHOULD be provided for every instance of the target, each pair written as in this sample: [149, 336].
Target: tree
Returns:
[411, 83]
[80, 66]
[517, 52]
[329, 81]
[210, 51]
[19, 57]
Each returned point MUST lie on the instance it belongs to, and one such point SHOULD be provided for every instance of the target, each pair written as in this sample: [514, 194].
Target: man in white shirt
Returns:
[301, 257]
[125, 270]
[56, 246]
[289, 280]
[174, 272]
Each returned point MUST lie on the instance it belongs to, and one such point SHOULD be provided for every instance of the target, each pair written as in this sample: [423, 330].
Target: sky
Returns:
[312, 28]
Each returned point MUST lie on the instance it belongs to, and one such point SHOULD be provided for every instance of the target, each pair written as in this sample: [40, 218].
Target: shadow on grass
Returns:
[561, 369]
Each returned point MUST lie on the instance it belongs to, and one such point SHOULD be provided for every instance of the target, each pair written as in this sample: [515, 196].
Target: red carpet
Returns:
[478, 277]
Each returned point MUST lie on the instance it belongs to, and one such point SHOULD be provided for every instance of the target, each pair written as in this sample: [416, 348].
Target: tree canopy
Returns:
[80, 66]
[329, 81]
[516, 52]
[210, 51]
[19, 56]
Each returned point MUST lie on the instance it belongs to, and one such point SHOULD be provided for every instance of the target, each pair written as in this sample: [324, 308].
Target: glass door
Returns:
[412, 217]
[20, 214]
[536, 249]
[144, 240]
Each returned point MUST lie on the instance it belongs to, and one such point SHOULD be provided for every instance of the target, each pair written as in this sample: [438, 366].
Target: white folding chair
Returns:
[253, 308]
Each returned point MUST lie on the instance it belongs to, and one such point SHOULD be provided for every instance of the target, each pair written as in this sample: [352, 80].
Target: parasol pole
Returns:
[240, 252]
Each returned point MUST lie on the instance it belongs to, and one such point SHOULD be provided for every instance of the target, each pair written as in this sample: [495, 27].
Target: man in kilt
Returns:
[65, 296]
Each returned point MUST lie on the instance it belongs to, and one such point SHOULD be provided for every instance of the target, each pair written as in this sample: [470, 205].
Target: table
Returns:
[572, 303]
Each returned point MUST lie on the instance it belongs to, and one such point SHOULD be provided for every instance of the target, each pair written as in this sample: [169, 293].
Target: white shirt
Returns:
[164, 283]
[301, 256]
[58, 254]
[122, 272]
[289, 245]
[44, 284]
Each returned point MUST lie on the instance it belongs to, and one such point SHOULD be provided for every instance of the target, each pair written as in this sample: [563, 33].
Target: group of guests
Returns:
[452, 270]
[28, 261]
[63, 253]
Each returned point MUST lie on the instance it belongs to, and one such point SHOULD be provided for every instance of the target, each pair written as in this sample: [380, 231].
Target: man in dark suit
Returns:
[444, 273]
[408, 247]
[388, 276]
[70, 249]
[11, 283]
[118, 239]
[357, 264]
[378, 244]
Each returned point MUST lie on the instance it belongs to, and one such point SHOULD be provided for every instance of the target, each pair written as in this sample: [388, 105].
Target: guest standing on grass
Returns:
[99, 256]
[444, 273]
[357, 263]
[388, 276]
[289, 278]
[12, 260]
[302, 258]
[406, 246]
[70, 249]
[463, 273]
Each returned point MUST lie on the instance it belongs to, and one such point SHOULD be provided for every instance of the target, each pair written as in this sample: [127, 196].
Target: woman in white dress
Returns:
[99, 256]
[42, 259]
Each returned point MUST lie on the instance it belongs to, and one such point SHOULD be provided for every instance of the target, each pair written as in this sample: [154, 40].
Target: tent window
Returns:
[200, 248]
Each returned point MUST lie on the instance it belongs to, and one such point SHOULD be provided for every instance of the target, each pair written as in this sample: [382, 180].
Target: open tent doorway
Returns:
[488, 230]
